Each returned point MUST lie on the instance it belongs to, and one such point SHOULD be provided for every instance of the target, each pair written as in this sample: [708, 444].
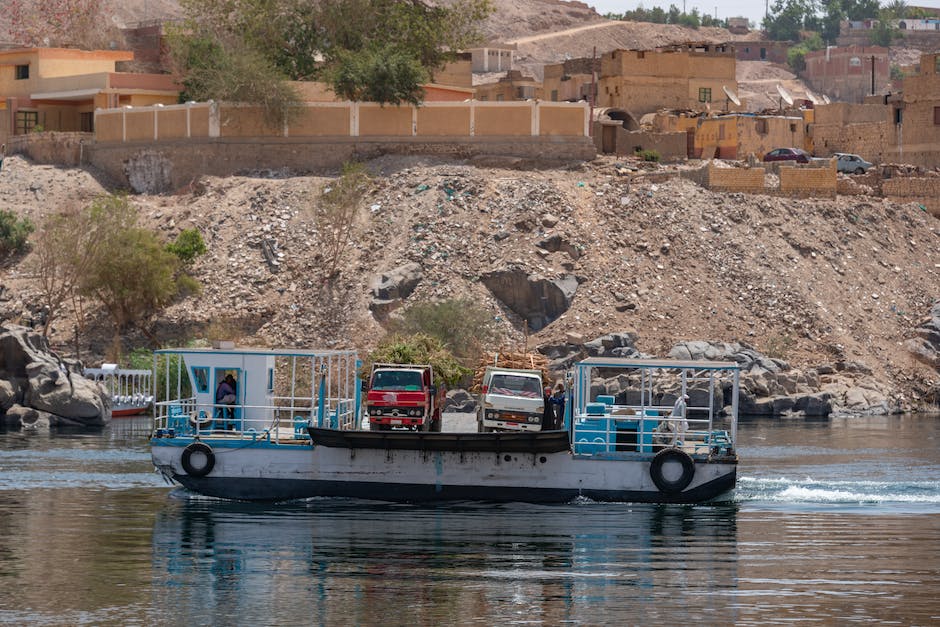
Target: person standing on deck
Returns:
[225, 395]
[558, 403]
[678, 423]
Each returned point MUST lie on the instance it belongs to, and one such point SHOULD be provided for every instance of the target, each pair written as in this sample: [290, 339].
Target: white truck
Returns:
[511, 399]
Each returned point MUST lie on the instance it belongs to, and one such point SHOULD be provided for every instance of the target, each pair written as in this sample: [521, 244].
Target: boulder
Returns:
[460, 401]
[391, 288]
[38, 389]
[538, 301]
[925, 347]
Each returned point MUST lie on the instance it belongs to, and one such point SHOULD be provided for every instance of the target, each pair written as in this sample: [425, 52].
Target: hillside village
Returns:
[511, 174]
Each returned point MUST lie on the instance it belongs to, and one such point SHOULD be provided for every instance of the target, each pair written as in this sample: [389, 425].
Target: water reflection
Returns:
[360, 562]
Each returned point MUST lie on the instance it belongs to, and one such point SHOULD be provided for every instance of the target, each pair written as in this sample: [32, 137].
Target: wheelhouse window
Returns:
[704, 94]
[22, 72]
[201, 377]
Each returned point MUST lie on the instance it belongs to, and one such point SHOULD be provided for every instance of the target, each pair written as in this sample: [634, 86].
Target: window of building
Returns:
[936, 115]
[704, 94]
[793, 128]
[855, 62]
[26, 121]
[86, 122]
[762, 126]
[499, 97]
[554, 95]
[936, 62]
[898, 116]
[721, 132]
[22, 72]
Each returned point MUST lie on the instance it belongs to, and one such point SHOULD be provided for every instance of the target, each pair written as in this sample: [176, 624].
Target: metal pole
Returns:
[591, 100]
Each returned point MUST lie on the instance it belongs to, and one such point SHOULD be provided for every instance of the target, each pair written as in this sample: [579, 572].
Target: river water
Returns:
[834, 522]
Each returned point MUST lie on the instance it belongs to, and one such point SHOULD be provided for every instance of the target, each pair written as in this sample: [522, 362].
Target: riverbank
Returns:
[814, 283]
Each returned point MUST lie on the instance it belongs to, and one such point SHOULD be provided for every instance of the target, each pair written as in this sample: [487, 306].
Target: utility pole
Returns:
[872, 75]
[593, 91]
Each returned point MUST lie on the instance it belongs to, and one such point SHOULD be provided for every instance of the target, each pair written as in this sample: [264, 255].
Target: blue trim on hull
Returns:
[249, 489]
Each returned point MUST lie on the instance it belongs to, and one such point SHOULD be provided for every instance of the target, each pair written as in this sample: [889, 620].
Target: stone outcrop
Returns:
[38, 389]
[768, 386]
[538, 301]
[926, 346]
[391, 288]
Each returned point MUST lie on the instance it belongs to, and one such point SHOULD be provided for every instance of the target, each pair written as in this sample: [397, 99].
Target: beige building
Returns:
[492, 57]
[897, 128]
[57, 89]
[571, 80]
[512, 86]
[690, 76]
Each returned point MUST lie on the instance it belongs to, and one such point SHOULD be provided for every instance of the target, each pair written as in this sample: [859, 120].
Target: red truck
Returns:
[404, 395]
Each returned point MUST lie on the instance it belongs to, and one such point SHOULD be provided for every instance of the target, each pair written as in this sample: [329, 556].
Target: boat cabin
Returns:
[254, 391]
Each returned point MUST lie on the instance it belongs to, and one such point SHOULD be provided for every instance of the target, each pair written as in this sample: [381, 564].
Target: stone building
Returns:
[571, 80]
[848, 73]
[689, 76]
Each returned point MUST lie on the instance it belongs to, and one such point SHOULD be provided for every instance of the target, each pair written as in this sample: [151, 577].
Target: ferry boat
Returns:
[295, 431]
[130, 390]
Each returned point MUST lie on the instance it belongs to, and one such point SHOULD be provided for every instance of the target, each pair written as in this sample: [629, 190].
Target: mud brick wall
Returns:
[809, 182]
[921, 190]
[750, 180]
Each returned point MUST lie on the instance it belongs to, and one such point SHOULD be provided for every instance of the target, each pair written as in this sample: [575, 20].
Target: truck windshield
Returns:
[514, 385]
[396, 380]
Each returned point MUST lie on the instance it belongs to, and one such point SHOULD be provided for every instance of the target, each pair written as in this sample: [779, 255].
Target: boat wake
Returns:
[815, 492]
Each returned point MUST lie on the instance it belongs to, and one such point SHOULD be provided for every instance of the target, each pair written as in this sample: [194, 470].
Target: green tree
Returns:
[220, 66]
[378, 49]
[14, 232]
[787, 19]
[130, 271]
[463, 326]
[188, 245]
[64, 245]
[334, 214]
[884, 32]
[418, 348]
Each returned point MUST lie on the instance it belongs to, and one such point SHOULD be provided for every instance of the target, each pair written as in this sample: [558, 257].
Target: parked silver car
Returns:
[852, 164]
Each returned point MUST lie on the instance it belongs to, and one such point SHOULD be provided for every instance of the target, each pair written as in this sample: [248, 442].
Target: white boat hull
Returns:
[268, 472]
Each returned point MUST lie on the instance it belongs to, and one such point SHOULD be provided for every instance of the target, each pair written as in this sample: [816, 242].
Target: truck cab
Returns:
[511, 400]
[403, 396]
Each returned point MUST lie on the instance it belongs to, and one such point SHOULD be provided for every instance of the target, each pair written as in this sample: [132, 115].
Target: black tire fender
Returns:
[670, 485]
[187, 460]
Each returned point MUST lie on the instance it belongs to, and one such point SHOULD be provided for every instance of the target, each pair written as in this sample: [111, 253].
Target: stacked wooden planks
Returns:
[510, 359]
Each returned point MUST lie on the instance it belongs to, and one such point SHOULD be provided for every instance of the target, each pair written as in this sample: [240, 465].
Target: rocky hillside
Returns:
[831, 285]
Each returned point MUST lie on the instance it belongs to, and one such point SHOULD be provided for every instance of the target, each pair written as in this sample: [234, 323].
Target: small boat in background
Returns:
[131, 390]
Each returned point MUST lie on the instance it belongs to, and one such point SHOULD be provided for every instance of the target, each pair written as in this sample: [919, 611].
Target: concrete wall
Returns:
[463, 119]
[615, 139]
[924, 191]
[169, 165]
[748, 180]
[806, 182]
[68, 149]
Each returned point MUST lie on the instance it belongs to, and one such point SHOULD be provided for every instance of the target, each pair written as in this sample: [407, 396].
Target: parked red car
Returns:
[788, 154]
